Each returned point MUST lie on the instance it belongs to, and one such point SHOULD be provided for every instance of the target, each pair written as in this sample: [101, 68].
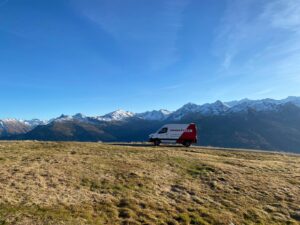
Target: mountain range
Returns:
[259, 124]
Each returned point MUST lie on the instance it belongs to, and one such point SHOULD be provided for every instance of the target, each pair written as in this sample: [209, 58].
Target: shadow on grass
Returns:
[149, 145]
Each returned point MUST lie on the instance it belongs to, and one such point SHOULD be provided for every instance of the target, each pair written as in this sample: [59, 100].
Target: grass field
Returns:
[92, 183]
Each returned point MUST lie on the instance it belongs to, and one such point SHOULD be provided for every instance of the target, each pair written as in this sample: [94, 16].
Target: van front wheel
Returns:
[156, 142]
[187, 143]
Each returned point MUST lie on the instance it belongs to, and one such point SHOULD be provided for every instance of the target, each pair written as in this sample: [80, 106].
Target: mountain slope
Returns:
[117, 115]
[12, 127]
[279, 130]
[74, 130]
[270, 130]
[161, 114]
[67, 130]
[258, 124]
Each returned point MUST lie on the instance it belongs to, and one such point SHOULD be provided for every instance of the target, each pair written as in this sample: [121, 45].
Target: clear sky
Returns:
[95, 56]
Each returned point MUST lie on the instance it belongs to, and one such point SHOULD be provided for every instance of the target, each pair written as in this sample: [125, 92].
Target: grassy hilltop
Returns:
[92, 183]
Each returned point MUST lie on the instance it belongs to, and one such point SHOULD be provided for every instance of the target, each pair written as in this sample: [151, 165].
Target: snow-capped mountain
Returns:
[224, 124]
[291, 99]
[82, 118]
[161, 114]
[261, 105]
[77, 117]
[257, 105]
[222, 108]
[117, 115]
[8, 121]
[13, 122]
[61, 118]
[216, 108]
[14, 126]
[237, 102]
[34, 122]
[187, 108]
[208, 109]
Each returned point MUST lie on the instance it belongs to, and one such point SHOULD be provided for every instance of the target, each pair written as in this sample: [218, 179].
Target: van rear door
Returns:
[189, 134]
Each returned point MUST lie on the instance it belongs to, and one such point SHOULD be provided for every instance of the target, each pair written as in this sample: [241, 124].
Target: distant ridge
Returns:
[258, 124]
[208, 109]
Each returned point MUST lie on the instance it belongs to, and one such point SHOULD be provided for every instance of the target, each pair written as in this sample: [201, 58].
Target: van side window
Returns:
[163, 130]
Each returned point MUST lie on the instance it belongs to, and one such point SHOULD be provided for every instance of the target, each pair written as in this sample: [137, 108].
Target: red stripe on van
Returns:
[190, 134]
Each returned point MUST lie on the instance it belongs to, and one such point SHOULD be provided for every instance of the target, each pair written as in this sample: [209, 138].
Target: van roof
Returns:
[178, 124]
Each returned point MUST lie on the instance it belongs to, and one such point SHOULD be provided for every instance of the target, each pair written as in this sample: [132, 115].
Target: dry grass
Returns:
[92, 183]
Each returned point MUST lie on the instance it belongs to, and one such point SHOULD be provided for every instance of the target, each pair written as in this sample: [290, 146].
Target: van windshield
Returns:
[163, 130]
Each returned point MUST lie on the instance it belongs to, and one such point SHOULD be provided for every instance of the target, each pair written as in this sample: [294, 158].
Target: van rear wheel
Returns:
[156, 142]
[187, 143]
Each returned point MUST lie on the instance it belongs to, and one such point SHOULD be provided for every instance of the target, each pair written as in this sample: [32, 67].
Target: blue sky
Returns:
[68, 56]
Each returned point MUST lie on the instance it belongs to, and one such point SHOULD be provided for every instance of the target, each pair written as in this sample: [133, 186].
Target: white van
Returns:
[185, 134]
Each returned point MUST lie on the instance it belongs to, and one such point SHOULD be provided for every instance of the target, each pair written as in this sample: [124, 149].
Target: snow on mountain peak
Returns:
[18, 126]
[154, 115]
[61, 118]
[236, 102]
[76, 117]
[35, 122]
[187, 108]
[292, 99]
[79, 115]
[257, 105]
[9, 122]
[215, 108]
[117, 115]
[190, 107]
[208, 109]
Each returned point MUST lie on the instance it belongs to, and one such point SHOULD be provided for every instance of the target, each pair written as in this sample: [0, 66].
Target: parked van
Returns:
[185, 134]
